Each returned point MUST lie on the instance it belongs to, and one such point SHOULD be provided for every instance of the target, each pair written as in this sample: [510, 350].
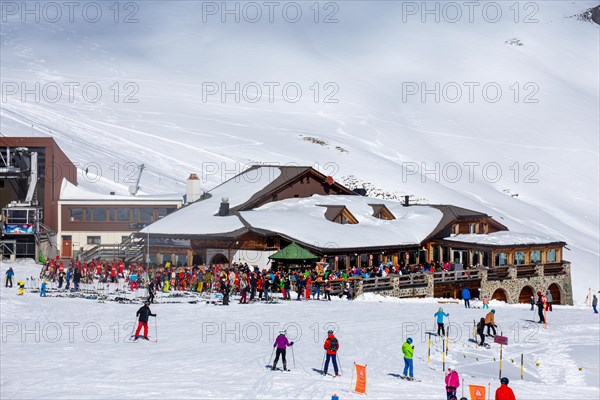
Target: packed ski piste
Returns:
[92, 331]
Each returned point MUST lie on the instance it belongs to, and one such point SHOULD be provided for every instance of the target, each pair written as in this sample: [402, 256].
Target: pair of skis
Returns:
[132, 339]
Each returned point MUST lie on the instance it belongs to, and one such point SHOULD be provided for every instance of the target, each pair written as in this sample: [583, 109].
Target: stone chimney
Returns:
[193, 191]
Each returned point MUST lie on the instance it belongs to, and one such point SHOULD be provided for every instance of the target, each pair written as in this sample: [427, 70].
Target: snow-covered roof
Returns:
[69, 191]
[303, 220]
[200, 217]
[503, 238]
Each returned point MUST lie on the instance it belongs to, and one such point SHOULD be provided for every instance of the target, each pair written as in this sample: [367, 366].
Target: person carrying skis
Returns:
[9, 277]
[281, 343]
[408, 350]
[331, 346]
[504, 392]
[466, 295]
[143, 314]
[480, 326]
[440, 321]
[489, 322]
[452, 383]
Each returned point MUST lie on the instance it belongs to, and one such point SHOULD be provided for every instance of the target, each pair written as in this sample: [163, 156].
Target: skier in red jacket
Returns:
[504, 392]
[331, 346]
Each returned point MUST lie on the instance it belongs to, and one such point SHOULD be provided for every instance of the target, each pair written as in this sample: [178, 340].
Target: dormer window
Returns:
[340, 215]
[455, 229]
[473, 229]
[380, 211]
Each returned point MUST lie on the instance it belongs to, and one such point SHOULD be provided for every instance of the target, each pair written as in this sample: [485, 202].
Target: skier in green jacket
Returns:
[408, 350]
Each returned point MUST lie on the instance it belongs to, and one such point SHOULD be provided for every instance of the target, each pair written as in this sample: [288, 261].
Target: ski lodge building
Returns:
[266, 208]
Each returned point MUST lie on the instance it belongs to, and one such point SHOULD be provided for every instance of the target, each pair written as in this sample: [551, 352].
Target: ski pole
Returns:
[133, 329]
[339, 363]
[323, 362]
[271, 357]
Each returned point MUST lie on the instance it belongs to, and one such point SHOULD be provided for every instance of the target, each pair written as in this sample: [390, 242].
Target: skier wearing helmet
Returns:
[331, 346]
[281, 343]
[408, 349]
[504, 392]
[143, 314]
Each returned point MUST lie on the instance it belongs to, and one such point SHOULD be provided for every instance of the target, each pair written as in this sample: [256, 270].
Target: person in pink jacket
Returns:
[452, 383]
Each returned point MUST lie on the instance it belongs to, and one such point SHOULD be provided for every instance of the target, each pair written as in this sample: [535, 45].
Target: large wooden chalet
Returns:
[265, 208]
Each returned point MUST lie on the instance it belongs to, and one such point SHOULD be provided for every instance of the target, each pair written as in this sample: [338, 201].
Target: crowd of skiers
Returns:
[239, 279]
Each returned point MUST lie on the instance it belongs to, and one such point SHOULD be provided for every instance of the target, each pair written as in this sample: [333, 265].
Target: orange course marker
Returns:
[477, 392]
[361, 378]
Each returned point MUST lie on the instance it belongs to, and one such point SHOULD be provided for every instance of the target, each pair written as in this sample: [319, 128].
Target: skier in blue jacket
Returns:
[466, 295]
[440, 321]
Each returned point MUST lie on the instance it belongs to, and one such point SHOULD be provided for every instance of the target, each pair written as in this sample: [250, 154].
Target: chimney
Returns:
[406, 202]
[224, 208]
[112, 193]
[360, 191]
[193, 191]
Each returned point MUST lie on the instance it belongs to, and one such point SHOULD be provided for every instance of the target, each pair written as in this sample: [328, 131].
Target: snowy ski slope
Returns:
[538, 140]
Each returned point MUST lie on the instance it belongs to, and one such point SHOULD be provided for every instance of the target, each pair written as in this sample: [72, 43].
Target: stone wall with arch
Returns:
[513, 286]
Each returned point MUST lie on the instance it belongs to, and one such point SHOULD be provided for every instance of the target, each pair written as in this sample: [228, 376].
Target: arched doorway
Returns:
[219, 258]
[526, 294]
[500, 295]
[555, 292]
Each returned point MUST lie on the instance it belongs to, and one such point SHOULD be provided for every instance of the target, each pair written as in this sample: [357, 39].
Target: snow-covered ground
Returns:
[362, 113]
[75, 348]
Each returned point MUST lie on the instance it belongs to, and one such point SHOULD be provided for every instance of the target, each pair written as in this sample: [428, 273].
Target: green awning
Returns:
[293, 252]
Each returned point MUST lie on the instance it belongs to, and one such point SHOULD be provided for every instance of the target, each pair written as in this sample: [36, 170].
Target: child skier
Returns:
[331, 346]
[143, 313]
[486, 302]
[408, 350]
[452, 383]
[532, 302]
[43, 289]
[281, 343]
[21, 286]
[440, 321]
